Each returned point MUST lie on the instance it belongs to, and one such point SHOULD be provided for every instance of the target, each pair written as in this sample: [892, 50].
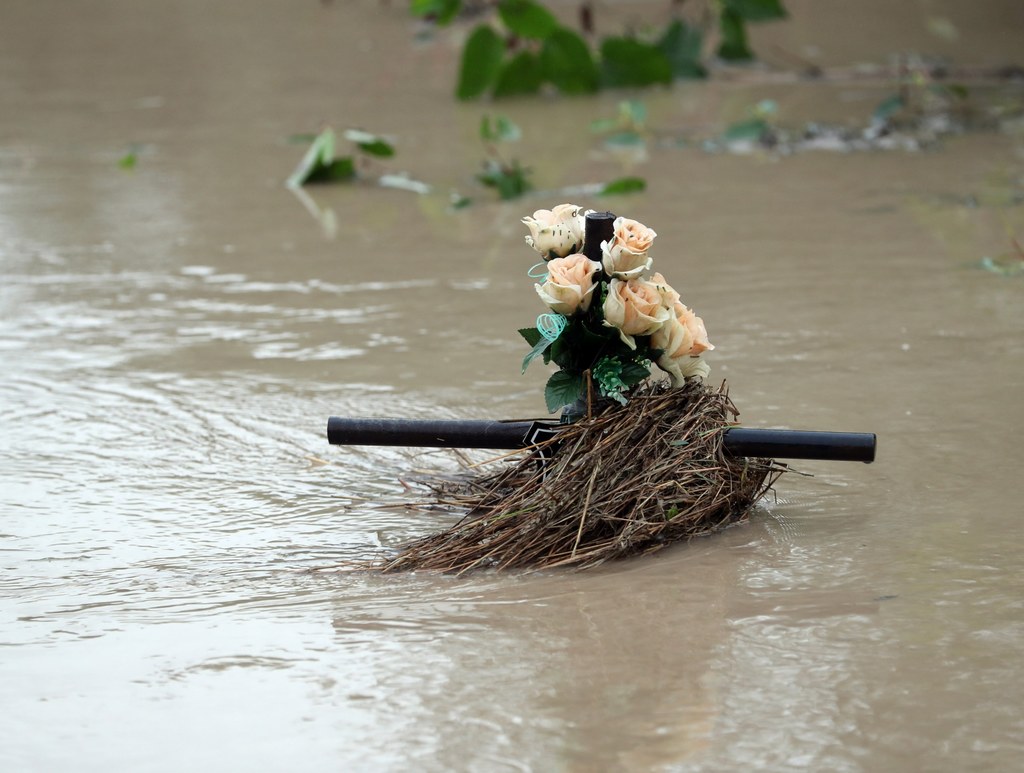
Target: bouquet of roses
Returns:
[608, 322]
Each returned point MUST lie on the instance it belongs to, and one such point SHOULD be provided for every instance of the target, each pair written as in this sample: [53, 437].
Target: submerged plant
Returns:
[322, 163]
[523, 47]
[507, 177]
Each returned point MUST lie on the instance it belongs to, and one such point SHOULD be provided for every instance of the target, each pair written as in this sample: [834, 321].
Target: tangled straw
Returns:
[631, 480]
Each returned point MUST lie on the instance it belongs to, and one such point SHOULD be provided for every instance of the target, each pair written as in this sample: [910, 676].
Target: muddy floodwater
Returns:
[174, 336]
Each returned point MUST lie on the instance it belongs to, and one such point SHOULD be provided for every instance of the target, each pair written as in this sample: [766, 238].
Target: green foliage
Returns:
[527, 19]
[481, 62]
[539, 343]
[128, 160]
[321, 164]
[441, 11]
[627, 128]
[756, 10]
[631, 62]
[500, 129]
[562, 389]
[617, 374]
[524, 47]
[888, 107]
[567, 63]
[507, 177]
[732, 23]
[370, 144]
[520, 75]
[1003, 265]
[752, 130]
[734, 47]
[510, 179]
[683, 45]
[623, 185]
[955, 90]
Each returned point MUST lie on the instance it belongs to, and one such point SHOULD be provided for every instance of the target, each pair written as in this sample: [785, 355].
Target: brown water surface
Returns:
[173, 338]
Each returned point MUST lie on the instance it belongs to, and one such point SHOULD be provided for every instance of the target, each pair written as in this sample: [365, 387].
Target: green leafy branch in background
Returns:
[512, 180]
[322, 164]
[507, 177]
[1009, 263]
[921, 96]
[523, 47]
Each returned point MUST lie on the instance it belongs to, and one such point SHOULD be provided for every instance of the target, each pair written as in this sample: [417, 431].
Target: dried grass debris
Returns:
[627, 481]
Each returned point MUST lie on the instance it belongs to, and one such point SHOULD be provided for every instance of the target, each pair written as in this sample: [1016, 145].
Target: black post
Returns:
[600, 227]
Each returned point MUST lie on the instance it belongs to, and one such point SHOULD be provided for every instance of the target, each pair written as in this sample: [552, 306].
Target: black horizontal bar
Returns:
[482, 433]
[801, 444]
[428, 433]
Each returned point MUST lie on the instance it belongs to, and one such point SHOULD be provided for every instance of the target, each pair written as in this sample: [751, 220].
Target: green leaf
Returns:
[888, 107]
[511, 181]
[370, 143]
[958, 90]
[682, 45]
[441, 11]
[566, 61]
[734, 46]
[627, 139]
[602, 125]
[623, 185]
[1003, 265]
[531, 334]
[756, 10]
[633, 112]
[128, 160]
[319, 165]
[339, 170]
[501, 130]
[527, 19]
[630, 62]
[520, 75]
[562, 389]
[321, 150]
[633, 373]
[458, 201]
[481, 60]
[750, 130]
[538, 348]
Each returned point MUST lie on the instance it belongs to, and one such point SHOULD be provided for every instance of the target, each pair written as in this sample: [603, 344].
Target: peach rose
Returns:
[557, 232]
[570, 284]
[625, 256]
[696, 327]
[682, 340]
[669, 297]
[635, 307]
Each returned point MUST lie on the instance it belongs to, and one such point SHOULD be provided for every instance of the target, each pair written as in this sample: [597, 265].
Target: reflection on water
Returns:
[175, 337]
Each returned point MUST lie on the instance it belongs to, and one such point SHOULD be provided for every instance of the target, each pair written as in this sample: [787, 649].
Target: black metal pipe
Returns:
[478, 433]
[801, 444]
[428, 433]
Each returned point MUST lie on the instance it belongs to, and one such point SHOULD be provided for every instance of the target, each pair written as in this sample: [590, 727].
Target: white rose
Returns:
[557, 232]
[570, 284]
[625, 256]
[682, 368]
